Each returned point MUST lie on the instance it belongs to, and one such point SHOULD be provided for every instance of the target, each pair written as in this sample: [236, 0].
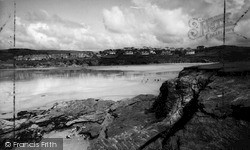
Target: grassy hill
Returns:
[210, 54]
[227, 53]
[7, 54]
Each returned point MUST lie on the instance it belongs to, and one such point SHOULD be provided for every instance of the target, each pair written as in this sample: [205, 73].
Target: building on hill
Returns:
[190, 52]
[152, 52]
[26, 57]
[112, 52]
[129, 52]
[19, 57]
[144, 52]
[33, 57]
[109, 52]
[39, 57]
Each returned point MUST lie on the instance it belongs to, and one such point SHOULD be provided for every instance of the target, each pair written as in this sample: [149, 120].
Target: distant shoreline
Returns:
[87, 67]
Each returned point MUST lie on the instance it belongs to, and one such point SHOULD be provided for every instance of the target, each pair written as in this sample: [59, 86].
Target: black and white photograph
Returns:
[124, 74]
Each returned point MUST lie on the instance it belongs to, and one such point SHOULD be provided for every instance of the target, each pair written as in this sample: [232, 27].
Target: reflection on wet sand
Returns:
[39, 87]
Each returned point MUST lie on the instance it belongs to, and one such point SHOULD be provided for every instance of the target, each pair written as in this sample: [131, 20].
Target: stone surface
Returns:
[221, 120]
[201, 109]
[31, 125]
[131, 126]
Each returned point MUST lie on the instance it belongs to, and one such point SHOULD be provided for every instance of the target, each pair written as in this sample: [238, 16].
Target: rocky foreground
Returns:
[204, 108]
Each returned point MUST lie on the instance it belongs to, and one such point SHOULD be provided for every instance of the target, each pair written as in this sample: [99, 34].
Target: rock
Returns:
[131, 128]
[221, 120]
[33, 123]
[29, 114]
[205, 132]
[91, 130]
[5, 126]
[34, 126]
[97, 117]
[49, 127]
[131, 115]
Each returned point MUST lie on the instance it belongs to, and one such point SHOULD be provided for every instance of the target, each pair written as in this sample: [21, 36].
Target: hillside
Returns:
[66, 58]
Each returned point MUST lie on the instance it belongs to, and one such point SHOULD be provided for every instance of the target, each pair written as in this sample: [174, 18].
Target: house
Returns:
[144, 52]
[109, 52]
[19, 58]
[89, 54]
[39, 57]
[26, 57]
[128, 52]
[83, 55]
[152, 52]
[190, 52]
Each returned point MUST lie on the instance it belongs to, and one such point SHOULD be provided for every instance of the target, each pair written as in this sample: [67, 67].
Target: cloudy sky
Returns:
[103, 24]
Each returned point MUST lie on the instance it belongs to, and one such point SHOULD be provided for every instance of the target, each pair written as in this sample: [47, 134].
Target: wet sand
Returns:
[37, 89]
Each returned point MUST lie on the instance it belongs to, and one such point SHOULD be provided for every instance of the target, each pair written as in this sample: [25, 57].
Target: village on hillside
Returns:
[110, 53]
[26, 58]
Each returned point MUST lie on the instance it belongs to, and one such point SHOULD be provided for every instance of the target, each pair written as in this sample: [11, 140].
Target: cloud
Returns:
[149, 26]
[114, 20]
[146, 21]
[40, 38]
[40, 30]
[155, 23]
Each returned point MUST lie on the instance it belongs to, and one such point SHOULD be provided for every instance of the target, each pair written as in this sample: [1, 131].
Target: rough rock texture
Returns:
[130, 126]
[217, 115]
[222, 119]
[31, 125]
[201, 109]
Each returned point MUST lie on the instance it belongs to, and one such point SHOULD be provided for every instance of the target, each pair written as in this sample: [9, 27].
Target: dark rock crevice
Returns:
[241, 113]
[214, 116]
[188, 110]
[218, 122]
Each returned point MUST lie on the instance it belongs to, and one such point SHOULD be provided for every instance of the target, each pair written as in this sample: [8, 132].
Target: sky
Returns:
[104, 24]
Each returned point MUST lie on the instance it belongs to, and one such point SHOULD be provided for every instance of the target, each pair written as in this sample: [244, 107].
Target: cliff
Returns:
[206, 107]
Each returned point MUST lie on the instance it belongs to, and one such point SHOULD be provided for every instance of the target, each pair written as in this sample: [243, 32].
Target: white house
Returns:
[190, 52]
[129, 53]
